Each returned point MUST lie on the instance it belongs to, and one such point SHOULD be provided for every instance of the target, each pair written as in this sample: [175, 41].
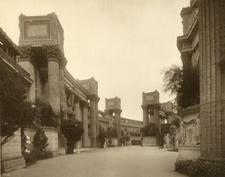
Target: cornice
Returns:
[13, 45]
[188, 38]
[75, 83]
[5, 58]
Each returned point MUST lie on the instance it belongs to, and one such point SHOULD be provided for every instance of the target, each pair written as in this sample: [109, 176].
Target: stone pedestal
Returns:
[149, 141]
[188, 152]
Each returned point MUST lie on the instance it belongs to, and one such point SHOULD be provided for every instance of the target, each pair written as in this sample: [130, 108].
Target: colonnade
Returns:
[147, 117]
[117, 119]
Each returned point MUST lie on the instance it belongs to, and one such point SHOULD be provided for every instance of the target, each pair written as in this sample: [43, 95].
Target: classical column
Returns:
[145, 114]
[118, 123]
[93, 120]
[97, 123]
[77, 107]
[62, 90]
[53, 56]
[85, 124]
[156, 121]
[212, 78]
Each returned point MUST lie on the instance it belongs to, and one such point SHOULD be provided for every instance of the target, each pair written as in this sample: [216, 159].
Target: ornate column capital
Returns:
[53, 52]
[117, 111]
[186, 58]
[144, 107]
[77, 98]
[94, 98]
[26, 53]
[85, 104]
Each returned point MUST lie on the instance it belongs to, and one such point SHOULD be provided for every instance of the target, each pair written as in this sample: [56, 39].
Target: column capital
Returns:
[53, 52]
[93, 97]
[118, 111]
[144, 107]
[186, 57]
[77, 98]
[85, 104]
[26, 53]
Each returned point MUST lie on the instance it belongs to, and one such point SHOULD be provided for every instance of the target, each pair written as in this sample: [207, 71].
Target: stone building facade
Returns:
[204, 30]
[188, 45]
[40, 59]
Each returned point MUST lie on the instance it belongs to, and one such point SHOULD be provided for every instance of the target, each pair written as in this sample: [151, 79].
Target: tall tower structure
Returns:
[113, 107]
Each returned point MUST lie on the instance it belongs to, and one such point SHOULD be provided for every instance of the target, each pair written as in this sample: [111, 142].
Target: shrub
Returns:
[47, 116]
[40, 139]
[73, 130]
[199, 168]
[149, 130]
[102, 136]
[33, 156]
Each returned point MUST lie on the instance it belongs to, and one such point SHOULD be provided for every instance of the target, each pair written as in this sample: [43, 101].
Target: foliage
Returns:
[15, 111]
[187, 91]
[149, 130]
[111, 132]
[47, 115]
[176, 122]
[33, 156]
[173, 77]
[40, 140]
[173, 135]
[199, 168]
[73, 130]
[125, 138]
[102, 135]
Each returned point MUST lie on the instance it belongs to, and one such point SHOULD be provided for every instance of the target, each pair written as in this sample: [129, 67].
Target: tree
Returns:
[102, 136]
[149, 130]
[16, 111]
[47, 115]
[40, 139]
[186, 91]
[73, 130]
[173, 136]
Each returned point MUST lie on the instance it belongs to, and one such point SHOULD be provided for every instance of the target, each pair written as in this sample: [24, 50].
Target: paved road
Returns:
[131, 161]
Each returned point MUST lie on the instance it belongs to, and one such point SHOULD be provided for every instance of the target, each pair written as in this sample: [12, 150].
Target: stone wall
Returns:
[11, 154]
[52, 135]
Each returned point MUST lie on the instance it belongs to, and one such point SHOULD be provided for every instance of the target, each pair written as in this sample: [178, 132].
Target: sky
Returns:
[124, 44]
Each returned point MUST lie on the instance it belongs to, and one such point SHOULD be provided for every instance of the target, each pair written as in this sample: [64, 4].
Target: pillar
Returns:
[212, 78]
[77, 108]
[93, 121]
[52, 53]
[85, 124]
[156, 121]
[118, 123]
[145, 114]
[97, 123]
[62, 90]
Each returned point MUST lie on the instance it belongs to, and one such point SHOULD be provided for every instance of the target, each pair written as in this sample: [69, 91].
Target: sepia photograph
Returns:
[112, 88]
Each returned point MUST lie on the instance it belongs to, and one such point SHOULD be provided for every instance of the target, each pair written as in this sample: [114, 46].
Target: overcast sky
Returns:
[123, 44]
